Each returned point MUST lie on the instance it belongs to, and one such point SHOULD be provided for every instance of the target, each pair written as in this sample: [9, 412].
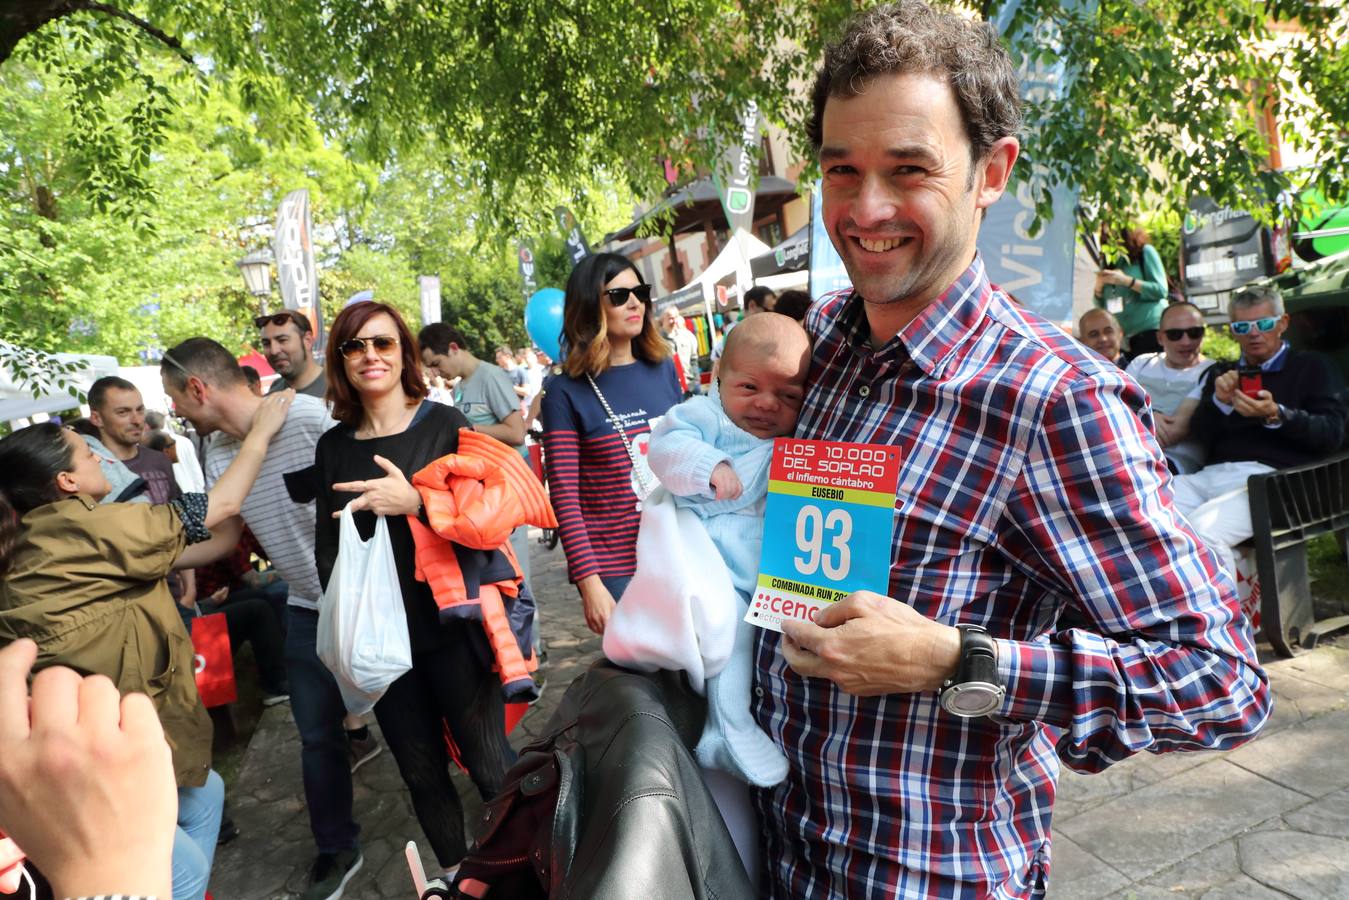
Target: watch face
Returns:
[972, 699]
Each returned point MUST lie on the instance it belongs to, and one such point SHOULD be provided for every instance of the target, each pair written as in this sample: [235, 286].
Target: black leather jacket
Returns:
[609, 803]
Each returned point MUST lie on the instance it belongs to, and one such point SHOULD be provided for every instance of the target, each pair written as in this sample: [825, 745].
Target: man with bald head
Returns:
[1100, 331]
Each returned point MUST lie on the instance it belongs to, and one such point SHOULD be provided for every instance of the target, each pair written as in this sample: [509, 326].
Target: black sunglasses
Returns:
[619, 296]
[283, 318]
[355, 347]
[1175, 334]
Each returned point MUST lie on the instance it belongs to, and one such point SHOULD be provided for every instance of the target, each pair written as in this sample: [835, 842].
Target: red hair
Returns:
[343, 396]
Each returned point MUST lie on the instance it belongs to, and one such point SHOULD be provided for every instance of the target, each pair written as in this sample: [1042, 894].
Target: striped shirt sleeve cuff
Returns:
[1038, 677]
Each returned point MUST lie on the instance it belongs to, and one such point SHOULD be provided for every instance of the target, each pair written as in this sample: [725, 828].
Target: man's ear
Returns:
[196, 389]
[995, 170]
[95, 418]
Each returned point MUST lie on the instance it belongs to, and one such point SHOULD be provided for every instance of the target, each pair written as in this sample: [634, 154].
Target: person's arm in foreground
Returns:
[1170, 663]
[86, 780]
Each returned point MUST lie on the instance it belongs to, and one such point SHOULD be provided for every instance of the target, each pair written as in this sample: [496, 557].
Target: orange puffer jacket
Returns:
[475, 498]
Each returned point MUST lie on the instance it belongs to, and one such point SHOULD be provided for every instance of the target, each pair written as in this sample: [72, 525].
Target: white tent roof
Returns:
[16, 396]
[733, 259]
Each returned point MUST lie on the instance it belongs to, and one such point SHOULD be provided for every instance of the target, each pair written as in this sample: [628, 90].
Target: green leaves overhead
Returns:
[526, 99]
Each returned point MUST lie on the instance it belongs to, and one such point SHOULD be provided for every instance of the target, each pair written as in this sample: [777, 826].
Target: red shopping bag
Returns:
[211, 660]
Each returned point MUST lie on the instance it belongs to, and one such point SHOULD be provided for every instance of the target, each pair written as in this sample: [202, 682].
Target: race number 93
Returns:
[822, 542]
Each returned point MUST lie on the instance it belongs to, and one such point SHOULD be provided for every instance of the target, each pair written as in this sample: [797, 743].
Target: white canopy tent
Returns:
[733, 259]
[16, 394]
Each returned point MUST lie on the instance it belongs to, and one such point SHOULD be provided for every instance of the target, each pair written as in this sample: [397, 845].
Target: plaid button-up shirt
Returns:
[1030, 483]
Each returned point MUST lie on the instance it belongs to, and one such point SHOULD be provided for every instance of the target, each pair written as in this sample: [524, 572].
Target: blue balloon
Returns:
[543, 320]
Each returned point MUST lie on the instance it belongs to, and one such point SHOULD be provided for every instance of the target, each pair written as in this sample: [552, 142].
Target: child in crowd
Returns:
[713, 453]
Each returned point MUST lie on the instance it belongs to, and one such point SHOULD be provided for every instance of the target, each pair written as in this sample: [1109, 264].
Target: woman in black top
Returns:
[389, 431]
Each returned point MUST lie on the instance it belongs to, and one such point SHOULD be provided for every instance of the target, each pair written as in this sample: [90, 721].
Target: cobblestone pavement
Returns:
[270, 857]
[1269, 820]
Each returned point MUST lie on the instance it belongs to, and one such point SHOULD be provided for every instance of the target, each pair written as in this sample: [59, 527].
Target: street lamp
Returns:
[257, 269]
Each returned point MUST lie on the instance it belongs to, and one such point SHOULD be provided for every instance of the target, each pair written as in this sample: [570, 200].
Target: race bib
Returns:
[828, 525]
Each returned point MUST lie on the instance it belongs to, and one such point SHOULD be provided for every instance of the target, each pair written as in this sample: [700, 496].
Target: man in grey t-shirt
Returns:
[485, 396]
[287, 340]
[209, 389]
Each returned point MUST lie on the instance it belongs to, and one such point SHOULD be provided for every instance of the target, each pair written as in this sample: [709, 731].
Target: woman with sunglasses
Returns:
[1172, 378]
[388, 430]
[617, 379]
[1135, 290]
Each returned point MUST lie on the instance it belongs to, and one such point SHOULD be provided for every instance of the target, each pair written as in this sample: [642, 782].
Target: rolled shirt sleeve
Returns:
[1172, 664]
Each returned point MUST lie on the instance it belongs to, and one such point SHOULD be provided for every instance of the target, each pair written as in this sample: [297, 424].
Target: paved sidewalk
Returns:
[270, 857]
[1269, 820]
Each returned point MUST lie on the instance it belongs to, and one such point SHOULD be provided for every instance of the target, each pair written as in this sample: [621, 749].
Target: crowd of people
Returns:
[899, 744]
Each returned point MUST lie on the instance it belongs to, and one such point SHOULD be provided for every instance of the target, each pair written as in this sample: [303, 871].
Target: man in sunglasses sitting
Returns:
[288, 343]
[1171, 379]
[1277, 407]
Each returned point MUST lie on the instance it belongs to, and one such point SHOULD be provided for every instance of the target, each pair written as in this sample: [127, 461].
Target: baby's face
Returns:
[763, 396]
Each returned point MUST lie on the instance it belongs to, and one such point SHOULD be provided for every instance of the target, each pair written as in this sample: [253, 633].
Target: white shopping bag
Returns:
[363, 630]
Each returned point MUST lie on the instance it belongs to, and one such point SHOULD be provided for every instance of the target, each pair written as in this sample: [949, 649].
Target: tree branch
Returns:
[163, 37]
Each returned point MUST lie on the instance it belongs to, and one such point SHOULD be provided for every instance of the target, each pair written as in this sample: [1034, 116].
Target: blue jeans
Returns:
[317, 706]
[199, 811]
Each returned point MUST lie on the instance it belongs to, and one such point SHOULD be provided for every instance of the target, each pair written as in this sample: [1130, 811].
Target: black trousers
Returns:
[449, 685]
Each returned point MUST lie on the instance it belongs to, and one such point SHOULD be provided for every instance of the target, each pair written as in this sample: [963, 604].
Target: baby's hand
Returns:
[724, 482]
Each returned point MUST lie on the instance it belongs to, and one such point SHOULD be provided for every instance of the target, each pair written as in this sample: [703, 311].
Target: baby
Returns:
[713, 454]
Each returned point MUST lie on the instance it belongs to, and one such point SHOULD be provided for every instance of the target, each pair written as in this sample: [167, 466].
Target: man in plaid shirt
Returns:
[924, 756]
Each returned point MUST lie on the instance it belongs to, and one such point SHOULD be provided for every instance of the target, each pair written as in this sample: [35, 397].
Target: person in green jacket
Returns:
[1135, 291]
[86, 582]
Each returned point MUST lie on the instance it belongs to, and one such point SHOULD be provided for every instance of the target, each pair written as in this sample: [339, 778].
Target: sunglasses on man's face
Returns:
[282, 318]
[354, 348]
[1175, 334]
[619, 296]
[1268, 323]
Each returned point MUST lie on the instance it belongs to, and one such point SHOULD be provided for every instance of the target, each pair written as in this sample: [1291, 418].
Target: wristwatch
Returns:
[976, 689]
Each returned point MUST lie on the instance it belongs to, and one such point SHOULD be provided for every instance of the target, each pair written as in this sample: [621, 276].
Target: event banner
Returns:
[736, 180]
[828, 526]
[428, 290]
[293, 248]
[1036, 269]
[528, 282]
[826, 266]
[577, 246]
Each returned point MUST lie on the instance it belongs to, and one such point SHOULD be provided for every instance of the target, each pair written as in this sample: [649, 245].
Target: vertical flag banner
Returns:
[525, 253]
[828, 524]
[826, 266]
[296, 274]
[577, 246]
[1037, 270]
[736, 179]
[428, 288]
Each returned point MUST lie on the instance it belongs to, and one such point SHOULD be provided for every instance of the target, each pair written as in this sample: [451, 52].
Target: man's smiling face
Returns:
[898, 195]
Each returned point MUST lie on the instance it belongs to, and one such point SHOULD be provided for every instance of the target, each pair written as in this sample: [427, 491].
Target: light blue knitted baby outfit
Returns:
[692, 439]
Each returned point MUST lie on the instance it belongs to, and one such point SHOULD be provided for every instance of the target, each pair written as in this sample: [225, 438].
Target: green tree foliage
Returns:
[79, 275]
[526, 98]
